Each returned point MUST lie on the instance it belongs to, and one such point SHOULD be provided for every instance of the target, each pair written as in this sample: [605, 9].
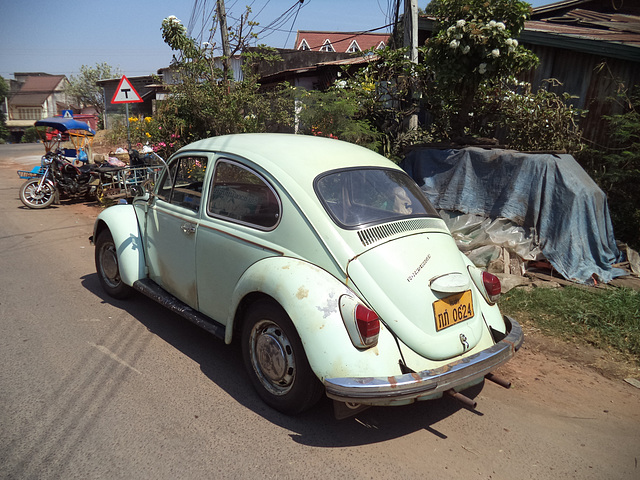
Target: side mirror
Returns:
[138, 190]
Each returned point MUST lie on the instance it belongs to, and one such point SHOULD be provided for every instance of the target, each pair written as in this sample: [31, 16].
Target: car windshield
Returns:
[363, 196]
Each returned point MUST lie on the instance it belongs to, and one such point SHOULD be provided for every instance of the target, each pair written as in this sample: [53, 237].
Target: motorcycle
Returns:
[60, 179]
[57, 176]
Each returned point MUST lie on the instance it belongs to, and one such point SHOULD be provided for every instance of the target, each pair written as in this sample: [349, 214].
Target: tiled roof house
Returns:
[341, 42]
[39, 96]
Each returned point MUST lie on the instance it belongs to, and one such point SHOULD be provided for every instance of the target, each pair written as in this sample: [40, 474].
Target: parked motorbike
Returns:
[60, 179]
[60, 174]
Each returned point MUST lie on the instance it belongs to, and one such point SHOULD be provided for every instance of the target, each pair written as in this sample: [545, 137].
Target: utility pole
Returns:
[411, 41]
[224, 32]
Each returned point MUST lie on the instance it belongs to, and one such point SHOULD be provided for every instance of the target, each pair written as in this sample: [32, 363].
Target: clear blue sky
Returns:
[58, 37]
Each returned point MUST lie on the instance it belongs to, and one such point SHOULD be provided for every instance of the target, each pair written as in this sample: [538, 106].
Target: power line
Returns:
[294, 22]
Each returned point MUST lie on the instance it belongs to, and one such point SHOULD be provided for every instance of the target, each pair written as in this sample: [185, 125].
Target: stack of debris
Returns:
[525, 217]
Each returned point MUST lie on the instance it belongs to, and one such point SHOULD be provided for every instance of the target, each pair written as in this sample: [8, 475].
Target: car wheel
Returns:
[275, 360]
[108, 268]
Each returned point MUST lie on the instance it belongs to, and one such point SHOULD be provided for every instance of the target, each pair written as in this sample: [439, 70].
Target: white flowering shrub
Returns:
[475, 43]
[476, 40]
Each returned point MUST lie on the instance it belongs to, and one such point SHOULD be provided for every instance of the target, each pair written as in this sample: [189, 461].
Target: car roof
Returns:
[300, 157]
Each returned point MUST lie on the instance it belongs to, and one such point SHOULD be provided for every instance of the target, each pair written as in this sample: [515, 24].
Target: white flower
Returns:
[454, 44]
[451, 29]
[495, 53]
[173, 19]
[341, 83]
[514, 43]
[492, 23]
[466, 49]
[501, 26]
[482, 68]
[460, 23]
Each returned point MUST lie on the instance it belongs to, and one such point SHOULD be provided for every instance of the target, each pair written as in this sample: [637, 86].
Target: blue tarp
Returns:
[550, 193]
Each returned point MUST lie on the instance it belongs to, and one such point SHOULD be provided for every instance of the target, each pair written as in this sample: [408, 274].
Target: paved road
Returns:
[21, 153]
[93, 388]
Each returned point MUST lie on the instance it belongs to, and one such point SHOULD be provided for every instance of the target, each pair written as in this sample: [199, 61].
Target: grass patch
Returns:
[605, 318]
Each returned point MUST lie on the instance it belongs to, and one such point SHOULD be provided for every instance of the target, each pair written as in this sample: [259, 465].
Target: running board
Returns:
[154, 291]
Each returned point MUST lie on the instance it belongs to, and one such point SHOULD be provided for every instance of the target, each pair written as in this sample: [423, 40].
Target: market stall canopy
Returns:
[550, 195]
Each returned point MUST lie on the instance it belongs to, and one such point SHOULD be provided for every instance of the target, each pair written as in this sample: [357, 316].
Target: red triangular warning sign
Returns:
[125, 93]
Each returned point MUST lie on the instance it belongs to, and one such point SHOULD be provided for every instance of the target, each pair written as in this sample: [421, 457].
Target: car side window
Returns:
[241, 195]
[182, 183]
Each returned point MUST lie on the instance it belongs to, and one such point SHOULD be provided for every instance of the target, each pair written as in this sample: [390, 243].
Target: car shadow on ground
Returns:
[318, 427]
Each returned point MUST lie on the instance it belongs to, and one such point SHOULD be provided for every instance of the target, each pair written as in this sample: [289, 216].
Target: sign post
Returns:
[125, 93]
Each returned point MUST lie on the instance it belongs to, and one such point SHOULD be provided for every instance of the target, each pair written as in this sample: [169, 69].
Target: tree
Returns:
[475, 44]
[616, 168]
[388, 89]
[205, 103]
[4, 92]
[84, 87]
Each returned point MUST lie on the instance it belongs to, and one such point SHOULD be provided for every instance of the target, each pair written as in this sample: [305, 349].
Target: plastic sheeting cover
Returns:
[550, 194]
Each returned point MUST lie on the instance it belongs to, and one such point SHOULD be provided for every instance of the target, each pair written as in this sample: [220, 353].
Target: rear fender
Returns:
[310, 296]
[122, 223]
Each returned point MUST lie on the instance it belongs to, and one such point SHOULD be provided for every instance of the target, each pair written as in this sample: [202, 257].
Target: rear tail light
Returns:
[362, 323]
[492, 286]
[368, 325]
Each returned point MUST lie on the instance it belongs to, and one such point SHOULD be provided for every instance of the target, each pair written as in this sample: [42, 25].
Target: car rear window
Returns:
[357, 197]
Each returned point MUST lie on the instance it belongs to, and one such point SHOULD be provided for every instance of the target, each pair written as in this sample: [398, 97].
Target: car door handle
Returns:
[188, 228]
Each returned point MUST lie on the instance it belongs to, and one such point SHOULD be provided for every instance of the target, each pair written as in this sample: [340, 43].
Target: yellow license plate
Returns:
[453, 309]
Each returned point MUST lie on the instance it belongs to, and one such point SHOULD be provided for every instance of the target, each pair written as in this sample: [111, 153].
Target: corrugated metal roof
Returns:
[578, 31]
[612, 35]
[352, 61]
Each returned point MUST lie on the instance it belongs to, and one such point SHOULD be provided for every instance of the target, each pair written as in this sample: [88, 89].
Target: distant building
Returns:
[34, 96]
[339, 42]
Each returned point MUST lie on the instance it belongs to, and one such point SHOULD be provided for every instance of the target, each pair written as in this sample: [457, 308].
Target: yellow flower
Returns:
[133, 119]
[148, 134]
[148, 119]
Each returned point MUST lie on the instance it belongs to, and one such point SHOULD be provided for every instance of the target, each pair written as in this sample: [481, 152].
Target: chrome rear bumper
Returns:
[412, 386]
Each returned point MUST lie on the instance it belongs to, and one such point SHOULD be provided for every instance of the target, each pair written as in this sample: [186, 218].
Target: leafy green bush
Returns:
[31, 134]
[526, 120]
[616, 169]
[336, 113]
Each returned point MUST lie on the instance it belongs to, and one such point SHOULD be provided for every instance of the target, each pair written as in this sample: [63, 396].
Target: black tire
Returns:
[275, 360]
[108, 268]
[32, 198]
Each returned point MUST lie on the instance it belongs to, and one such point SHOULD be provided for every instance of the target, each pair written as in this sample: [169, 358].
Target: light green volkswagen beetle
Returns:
[323, 259]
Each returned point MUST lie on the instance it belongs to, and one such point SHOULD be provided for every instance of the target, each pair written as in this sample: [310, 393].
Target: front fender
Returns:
[122, 223]
[310, 296]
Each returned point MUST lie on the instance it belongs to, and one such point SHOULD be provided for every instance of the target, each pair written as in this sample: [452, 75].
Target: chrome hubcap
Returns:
[109, 265]
[272, 357]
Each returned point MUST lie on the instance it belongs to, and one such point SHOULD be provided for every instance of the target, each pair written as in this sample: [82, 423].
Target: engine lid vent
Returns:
[380, 232]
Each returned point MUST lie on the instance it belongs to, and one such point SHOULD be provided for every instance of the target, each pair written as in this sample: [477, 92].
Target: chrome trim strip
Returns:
[410, 386]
